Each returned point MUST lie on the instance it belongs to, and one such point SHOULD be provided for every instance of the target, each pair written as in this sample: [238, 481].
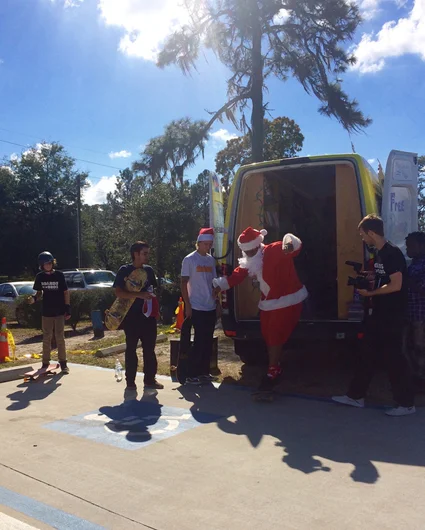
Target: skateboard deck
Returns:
[264, 396]
[119, 309]
[36, 373]
[184, 348]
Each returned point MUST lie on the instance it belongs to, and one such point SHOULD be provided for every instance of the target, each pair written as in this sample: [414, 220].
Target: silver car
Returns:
[9, 293]
[88, 278]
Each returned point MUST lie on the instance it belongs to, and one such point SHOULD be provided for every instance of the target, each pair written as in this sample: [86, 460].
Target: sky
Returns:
[83, 73]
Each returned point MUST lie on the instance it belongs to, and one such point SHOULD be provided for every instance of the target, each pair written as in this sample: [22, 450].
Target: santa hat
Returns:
[206, 234]
[251, 238]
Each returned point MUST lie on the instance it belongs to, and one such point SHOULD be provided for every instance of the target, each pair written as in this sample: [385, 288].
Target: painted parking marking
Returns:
[132, 425]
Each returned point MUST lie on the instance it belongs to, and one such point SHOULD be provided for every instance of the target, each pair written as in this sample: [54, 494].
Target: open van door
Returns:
[400, 197]
[216, 214]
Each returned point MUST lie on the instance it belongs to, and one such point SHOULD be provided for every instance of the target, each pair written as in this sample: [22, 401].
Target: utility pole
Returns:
[78, 221]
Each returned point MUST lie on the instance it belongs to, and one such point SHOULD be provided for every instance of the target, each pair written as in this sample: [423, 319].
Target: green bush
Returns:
[4, 310]
[83, 302]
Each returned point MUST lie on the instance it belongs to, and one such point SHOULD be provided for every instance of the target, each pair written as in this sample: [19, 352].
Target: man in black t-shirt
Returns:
[385, 324]
[140, 321]
[51, 285]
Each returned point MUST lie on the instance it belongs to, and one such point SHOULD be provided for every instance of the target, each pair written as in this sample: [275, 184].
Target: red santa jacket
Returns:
[279, 283]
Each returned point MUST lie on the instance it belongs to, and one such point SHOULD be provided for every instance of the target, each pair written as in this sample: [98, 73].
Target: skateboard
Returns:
[263, 396]
[119, 309]
[33, 375]
[184, 348]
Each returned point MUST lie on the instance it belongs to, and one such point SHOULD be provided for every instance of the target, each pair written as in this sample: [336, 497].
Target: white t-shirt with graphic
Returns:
[201, 271]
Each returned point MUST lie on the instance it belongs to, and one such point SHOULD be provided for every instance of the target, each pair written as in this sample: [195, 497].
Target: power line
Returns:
[79, 159]
[37, 137]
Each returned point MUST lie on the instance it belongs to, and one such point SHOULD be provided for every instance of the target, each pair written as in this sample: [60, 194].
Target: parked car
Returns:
[9, 293]
[88, 278]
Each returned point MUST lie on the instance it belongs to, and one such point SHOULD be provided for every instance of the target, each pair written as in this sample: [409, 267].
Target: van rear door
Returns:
[400, 197]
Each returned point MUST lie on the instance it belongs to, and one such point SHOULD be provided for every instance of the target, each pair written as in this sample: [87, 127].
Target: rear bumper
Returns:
[305, 331]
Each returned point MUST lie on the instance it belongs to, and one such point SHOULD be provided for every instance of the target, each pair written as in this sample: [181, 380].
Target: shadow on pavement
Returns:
[134, 417]
[33, 391]
[314, 433]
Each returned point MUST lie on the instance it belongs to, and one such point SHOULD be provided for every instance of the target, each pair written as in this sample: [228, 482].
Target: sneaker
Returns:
[44, 366]
[267, 384]
[154, 384]
[400, 411]
[130, 392]
[64, 368]
[345, 400]
[193, 381]
[207, 378]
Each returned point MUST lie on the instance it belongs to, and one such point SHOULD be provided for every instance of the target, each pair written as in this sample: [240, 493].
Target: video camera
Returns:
[359, 282]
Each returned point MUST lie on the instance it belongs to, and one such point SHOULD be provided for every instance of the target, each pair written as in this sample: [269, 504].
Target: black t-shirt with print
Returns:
[123, 273]
[53, 286]
[390, 260]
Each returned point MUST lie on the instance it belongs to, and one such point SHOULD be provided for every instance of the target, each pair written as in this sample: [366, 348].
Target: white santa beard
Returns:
[255, 268]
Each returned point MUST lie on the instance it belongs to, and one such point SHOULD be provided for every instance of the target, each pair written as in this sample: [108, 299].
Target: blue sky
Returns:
[82, 72]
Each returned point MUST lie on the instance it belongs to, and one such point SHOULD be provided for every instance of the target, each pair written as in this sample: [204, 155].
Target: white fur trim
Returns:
[293, 240]
[284, 301]
[205, 237]
[254, 265]
[222, 283]
[252, 244]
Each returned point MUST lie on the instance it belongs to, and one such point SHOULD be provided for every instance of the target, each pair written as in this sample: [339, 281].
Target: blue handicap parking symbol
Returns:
[132, 425]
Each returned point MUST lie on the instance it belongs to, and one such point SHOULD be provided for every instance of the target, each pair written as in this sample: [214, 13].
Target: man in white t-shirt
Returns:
[198, 272]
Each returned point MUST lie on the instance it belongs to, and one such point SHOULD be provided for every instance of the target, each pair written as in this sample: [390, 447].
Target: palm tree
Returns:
[259, 39]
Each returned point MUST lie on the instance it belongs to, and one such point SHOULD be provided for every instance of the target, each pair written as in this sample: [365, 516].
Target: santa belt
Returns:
[284, 301]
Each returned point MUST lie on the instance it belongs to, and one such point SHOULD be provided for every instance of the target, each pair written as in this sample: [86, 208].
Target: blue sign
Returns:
[132, 425]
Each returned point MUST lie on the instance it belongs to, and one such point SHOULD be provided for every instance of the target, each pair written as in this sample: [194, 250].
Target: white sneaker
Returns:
[345, 400]
[400, 411]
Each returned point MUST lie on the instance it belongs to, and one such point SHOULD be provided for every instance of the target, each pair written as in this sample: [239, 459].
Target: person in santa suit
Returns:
[282, 293]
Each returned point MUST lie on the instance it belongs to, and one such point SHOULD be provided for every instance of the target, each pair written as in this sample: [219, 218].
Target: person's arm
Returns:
[32, 299]
[185, 295]
[227, 282]
[394, 286]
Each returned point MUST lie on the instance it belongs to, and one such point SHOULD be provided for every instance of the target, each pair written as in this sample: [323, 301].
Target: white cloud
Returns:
[1, 61]
[396, 38]
[119, 154]
[146, 23]
[222, 136]
[36, 151]
[99, 189]
[14, 157]
[69, 3]
[282, 16]
[371, 161]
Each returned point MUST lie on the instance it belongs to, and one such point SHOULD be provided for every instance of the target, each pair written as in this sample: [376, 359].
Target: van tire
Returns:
[251, 352]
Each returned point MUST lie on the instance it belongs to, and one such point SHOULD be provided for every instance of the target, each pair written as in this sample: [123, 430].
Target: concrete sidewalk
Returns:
[74, 456]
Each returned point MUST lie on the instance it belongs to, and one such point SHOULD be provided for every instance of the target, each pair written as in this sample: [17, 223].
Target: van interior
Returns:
[320, 203]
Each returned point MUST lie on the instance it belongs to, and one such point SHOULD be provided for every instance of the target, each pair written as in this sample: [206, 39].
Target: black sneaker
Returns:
[130, 392]
[193, 381]
[44, 366]
[154, 384]
[207, 378]
[64, 368]
[267, 384]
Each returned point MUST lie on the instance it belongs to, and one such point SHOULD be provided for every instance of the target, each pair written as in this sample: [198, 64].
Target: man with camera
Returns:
[385, 324]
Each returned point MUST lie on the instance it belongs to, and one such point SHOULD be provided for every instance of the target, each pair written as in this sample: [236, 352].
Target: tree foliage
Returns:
[38, 208]
[282, 139]
[166, 157]
[260, 39]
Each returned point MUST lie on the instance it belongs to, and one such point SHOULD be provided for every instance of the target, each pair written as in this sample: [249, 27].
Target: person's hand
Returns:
[216, 291]
[365, 293]
[30, 300]
[188, 311]
[67, 312]
[288, 248]
[145, 296]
